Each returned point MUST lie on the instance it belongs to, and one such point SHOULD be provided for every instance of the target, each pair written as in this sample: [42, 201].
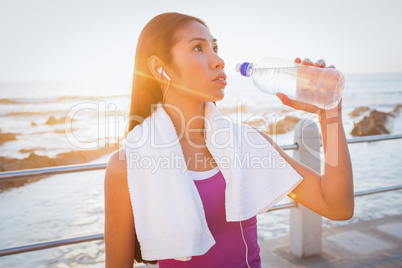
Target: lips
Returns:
[221, 78]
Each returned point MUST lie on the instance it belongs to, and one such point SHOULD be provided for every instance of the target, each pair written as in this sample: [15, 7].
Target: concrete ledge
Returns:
[374, 243]
[358, 243]
[394, 229]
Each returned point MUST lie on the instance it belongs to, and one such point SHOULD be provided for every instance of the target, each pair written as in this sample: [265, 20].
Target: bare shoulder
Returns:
[119, 217]
[116, 166]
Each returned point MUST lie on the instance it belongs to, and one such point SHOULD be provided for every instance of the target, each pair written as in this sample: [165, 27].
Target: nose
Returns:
[217, 62]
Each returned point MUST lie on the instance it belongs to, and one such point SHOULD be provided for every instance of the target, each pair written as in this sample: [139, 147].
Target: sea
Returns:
[84, 118]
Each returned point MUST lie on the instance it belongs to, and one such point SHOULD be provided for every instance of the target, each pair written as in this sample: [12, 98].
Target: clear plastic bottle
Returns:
[322, 87]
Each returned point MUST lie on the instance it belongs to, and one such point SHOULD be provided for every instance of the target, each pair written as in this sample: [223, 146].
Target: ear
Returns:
[154, 63]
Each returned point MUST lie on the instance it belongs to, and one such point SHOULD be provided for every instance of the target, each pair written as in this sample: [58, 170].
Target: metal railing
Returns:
[10, 175]
[19, 174]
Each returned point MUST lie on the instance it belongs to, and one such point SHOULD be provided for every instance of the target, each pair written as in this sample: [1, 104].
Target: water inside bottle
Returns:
[272, 80]
[317, 86]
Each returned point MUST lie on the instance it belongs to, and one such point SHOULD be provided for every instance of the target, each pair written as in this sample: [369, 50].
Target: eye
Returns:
[198, 48]
[216, 49]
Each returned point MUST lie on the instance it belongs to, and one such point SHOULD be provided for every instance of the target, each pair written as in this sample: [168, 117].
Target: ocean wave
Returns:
[59, 113]
[35, 113]
[27, 100]
[10, 101]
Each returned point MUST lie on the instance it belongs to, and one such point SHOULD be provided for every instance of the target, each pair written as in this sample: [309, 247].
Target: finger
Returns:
[320, 63]
[307, 61]
[298, 60]
[331, 66]
[281, 96]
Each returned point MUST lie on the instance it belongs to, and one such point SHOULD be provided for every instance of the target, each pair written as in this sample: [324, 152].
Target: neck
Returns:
[188, 118]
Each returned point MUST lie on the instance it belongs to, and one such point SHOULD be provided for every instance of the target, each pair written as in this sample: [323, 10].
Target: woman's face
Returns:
[198, 70]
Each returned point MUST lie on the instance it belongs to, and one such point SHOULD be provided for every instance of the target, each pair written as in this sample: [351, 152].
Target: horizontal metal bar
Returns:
[87, 167]
[51, 244]
[378, 190]
[294, 146]
[20, 174]
[356, 194]
[17, 174]
[76, 240]
[375, 138]
[283, 206]
[57, 243]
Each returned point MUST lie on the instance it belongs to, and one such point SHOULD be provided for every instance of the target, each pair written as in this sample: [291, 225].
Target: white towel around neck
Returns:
[168, 212]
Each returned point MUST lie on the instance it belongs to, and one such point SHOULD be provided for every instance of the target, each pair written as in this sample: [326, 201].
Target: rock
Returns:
[67, 158]
[256, 123]
[358, 111]
[282, 126]
[39, 161]
[24, 151]
[397, 109]
[53, 121]
[375, 124]
[7, 137]
[232, 110]
[60, 131]
[82, 156]
[32, 161]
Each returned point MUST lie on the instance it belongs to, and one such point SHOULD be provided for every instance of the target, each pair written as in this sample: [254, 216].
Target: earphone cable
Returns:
[245, 244]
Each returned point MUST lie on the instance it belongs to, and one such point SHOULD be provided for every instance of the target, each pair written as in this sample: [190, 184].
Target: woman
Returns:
[177, 65]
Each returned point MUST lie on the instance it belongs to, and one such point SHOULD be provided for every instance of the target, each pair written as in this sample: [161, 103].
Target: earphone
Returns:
[161, 71]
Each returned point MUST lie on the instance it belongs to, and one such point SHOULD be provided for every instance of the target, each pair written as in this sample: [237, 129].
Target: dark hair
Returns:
[156, 39]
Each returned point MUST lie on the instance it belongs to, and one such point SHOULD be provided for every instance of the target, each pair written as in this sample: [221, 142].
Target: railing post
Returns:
[305, 225]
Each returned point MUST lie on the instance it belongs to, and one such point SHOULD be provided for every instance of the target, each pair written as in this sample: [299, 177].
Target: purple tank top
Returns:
[229, 249]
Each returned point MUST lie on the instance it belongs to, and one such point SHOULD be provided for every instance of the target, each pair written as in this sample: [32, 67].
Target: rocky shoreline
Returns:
[40, 161]
[376, 123]
[373, 123]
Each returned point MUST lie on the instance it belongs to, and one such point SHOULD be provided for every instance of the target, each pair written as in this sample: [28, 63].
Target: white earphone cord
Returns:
[245, 245]
[162, 72]
[163, 98]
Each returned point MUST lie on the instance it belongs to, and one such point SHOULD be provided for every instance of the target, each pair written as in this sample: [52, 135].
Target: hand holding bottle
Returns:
[302, 105]
[300, 81]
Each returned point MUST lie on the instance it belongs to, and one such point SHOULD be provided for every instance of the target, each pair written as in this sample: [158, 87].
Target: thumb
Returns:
[281, 96]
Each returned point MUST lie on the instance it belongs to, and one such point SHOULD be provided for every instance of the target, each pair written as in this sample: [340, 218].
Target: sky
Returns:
[95, 41]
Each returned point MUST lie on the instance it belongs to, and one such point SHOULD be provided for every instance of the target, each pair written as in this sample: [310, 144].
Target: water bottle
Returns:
[322, 87]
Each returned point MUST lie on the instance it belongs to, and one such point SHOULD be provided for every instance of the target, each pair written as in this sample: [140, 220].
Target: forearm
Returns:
[337, 176]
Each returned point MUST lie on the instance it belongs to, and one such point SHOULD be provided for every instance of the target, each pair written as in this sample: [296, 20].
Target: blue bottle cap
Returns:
[242, 68]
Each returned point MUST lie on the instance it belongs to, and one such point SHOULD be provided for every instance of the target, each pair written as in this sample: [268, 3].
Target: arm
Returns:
[119, 219]
[329, 194]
